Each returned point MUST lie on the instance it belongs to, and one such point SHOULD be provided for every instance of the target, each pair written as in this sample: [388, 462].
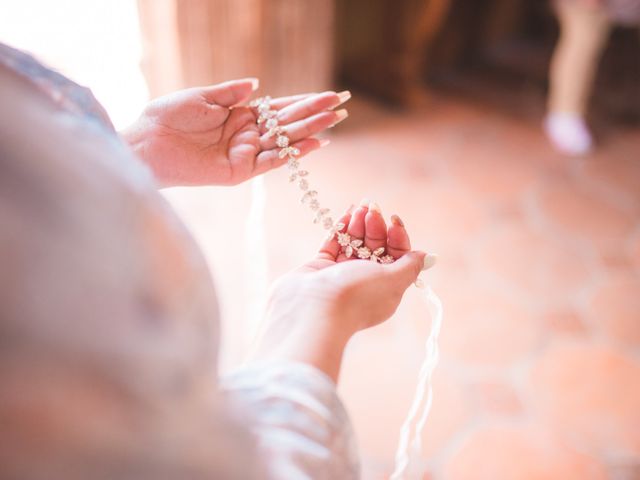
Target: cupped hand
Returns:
[206, 136]
[314, 310]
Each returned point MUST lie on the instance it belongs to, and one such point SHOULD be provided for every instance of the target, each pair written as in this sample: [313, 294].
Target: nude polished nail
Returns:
[396, 220]
[340, 116]
[429, 261]
[344, 96]
[374, 207]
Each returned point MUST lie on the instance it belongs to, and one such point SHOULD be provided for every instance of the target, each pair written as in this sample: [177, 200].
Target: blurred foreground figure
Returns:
[108, 319]
[584, 30]
[108, 316]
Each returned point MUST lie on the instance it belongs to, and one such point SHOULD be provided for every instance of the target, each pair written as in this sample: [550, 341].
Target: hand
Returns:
[203, 136]
[314, 310]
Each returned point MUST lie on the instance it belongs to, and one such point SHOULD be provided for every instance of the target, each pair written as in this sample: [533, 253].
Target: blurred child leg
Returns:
[584, 31]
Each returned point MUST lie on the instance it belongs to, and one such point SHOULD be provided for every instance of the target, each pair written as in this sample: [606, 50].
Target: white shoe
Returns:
[569, 133]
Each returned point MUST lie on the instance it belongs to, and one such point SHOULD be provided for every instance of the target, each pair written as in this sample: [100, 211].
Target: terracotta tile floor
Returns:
[539, 273]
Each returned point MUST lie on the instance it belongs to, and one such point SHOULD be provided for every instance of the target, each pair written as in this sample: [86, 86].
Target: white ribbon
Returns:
[410, 446]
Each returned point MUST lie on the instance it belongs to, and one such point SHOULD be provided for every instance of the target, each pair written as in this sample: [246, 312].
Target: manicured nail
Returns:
[364, 202]
[255, 83]
[350, 209]
[344, 96]
[429, 261]
[396, 220]
[374, 207]
[341, 115]
[324, 142]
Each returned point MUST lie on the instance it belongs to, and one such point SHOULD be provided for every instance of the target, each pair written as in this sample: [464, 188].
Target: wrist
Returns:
[134, 136]
[323, 349]
[139, 137]
[298, 335]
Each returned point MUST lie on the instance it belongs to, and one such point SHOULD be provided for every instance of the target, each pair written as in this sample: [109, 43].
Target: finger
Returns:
[356, 229]
[397, 238]
[278, 103]
[330, 247]
[404, 271]
[375, 228]
[230, 93]
[281, 102]
[311, 105]
[306, 128]
[270, 159]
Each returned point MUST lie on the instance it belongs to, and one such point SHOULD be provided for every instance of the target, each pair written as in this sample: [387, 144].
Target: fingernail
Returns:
[374, 207]
[255, 83]
[324, 142]
[344, 96]
[340, 116]
[364, 202]
[396, 220]
[429, 261]
[350, 209]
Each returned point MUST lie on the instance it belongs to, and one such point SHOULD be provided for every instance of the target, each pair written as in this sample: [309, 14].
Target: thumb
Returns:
[406, 269]
[230, 93]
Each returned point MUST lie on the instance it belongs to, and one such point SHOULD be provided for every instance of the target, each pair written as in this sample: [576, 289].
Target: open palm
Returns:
[313, 311]
[204, 136]
[361, 293]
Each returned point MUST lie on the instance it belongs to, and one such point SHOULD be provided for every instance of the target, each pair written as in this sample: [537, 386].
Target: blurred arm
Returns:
[300, 424]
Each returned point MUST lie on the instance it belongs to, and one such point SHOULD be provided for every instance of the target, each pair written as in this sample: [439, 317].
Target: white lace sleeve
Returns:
[300, 425]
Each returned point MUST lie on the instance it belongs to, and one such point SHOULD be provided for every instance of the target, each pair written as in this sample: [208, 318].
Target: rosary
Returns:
[410, 443]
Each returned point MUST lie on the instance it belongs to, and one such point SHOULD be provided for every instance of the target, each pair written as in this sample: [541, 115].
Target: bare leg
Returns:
[584, 32]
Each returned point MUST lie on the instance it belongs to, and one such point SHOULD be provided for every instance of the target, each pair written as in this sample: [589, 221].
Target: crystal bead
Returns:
[308, 196]
[271, 123]
[293, 177]
[327, 223]
[290, 151]
[293, 164]
[320, 215]
[387, 259]
[282, 141]
[343, 239]
[303, 173]
[303, 184]
[364, 253]
[314, 204]
[277, 130]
